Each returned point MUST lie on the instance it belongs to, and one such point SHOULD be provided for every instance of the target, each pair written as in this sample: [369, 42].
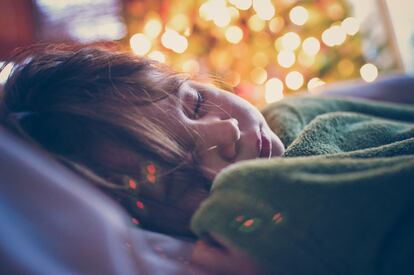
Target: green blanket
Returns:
[341, 200]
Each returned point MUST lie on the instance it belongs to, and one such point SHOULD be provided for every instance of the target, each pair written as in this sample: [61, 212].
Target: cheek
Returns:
[211, 163]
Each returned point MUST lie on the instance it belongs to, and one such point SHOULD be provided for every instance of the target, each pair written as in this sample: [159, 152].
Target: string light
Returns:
[234, 34]
[286, 58]
[238, 33]
[234, 13]
[140, 204]
[140, 44]
[276, 24]
[291, 41]
[242, 4]
[255, 23]
[174, 41]
[222, 17]
[369, 72]
[152, 28]
[333, 36]
[294, 80]
[157, 56]
[258, 75]
[132, 184]
[264, 9]
[278, 217]
[311, 46]
[314, 84]
[299, 15]
[273, 90]
[351, 25]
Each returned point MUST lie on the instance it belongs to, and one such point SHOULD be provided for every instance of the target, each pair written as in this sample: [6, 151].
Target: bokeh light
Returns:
[153, 28]
[315, 84]
[253, 45]
[286, 58]
[291, 41]
[140, 44]
[351, 25]
[334, 36]
[276, 24]
[255, 23]
[258, 75]
[174, 41]
[157, 56]
[179, 22]
[299, 15]
[234, 34]
[294, 80]
[369, 72]
[242, 4]
[311, 45]
[264, 9]
[273, 90]
[222, 17]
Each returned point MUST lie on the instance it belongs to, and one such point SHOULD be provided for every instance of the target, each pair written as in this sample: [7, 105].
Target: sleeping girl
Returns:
[325, 182]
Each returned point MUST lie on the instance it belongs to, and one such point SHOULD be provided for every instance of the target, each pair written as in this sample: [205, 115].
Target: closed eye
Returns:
[198, 105]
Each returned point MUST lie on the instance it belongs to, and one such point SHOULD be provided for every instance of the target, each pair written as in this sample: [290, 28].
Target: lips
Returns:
[264, 146]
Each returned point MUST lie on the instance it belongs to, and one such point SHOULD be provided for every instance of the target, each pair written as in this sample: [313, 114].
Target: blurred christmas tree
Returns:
[263, 49]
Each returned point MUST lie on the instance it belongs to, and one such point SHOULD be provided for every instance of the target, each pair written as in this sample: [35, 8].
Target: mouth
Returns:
[264, 146]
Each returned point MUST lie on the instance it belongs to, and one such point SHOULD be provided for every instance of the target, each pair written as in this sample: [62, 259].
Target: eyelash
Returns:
[200, 101]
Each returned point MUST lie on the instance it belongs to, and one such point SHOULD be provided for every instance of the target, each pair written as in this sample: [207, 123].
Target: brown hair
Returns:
[73, 101]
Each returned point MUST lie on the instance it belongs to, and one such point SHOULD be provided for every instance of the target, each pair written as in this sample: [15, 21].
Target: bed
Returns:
[53, 222]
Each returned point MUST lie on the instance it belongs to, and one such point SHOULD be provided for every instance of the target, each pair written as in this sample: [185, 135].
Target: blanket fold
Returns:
[339, 202]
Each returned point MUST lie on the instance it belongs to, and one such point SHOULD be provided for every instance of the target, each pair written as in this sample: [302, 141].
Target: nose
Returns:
[221, 135]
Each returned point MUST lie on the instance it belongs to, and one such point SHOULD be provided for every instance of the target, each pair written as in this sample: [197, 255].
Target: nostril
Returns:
[228, 152]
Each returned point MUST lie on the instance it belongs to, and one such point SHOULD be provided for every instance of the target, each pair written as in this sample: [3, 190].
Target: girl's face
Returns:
[223, 127]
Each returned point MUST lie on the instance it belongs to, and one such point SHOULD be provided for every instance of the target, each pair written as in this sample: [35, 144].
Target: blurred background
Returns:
[263, 50]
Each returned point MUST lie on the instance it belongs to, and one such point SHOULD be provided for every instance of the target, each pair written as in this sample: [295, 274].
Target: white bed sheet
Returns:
[53, 222]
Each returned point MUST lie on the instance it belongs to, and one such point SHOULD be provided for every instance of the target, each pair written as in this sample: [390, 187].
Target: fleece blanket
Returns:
[340, 201]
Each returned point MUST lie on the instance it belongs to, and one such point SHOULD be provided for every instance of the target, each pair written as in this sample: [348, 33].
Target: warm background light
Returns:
[153, 28]
[241, 4]
[286, 58]
[311, 46]
[291, 41]
[350, 25]
[315, 84]
[369, 72]
[299, 15]
[157, 56]
[234, 34]
[263, 49]
[273, 90]
[294, 80]
[140, 44]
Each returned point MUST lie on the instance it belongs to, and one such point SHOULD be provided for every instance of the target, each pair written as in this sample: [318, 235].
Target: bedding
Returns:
[54, 222]
[340, 200]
